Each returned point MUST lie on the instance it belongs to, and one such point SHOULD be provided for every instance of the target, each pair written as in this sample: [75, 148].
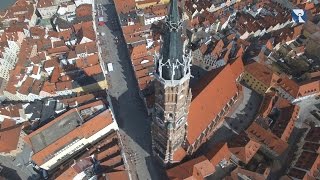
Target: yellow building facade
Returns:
[145, 4]
[101, 85]
[259, 77]
[254, 83]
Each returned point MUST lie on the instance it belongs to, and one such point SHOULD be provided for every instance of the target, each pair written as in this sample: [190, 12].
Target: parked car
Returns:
[110, 67]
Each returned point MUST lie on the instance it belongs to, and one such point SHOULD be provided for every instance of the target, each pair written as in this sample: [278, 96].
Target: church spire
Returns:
[172, 92]
[172, 64]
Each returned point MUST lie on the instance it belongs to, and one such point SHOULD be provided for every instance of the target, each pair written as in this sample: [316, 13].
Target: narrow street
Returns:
[128, 107]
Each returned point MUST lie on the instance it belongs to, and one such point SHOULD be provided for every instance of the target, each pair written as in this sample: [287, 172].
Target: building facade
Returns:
[172, 92]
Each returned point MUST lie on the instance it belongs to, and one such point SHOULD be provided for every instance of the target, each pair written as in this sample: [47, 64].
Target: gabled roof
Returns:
[85, 130]
[261, 73]
[212, 93]
[265, 137]
[184, 170]
[217, 153]
[124, 6]
[243, 147]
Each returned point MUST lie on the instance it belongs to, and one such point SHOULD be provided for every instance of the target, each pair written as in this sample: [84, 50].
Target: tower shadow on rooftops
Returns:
[131, 113]
[88, 79]
[8, 173]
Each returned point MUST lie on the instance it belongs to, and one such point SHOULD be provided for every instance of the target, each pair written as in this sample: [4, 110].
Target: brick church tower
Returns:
[172, 92]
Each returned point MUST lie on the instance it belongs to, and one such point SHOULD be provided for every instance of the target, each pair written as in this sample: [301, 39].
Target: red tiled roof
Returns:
[86, 130]
[179, 154]
[65, 35]
[245, 151]
[37, 31]
[215, 92]
[88, 61]
[267, 104]
[92, 70]
[203, 169]
[84, 10]
[61, 49]
[51, 63]
[261, 73]
[124, 6]
[259, 134]
[217, 153]
[49, 87]
[36, 87]
[9, 135]
[121, 175]
[10, 110]
[78, 99]
[65, 85]
[184, 170]
[35, 70]
[87, 31]
[75, 169]
[89, 47]
[310, 87]
[26, 86]
[55, 74]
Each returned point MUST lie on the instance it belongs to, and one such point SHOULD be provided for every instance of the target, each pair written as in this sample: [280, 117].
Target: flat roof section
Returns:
[56, 131]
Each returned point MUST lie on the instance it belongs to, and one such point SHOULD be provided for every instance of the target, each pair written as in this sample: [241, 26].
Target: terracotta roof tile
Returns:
[218, 153]
[124, 6]
[261, 73]
[75, 169]
[65, 35]
[58, 50]
[36, 87]
[37, 31]
[139, 51]
[45, 3]
[35, 70]
[57, 44]
[78, 99]
[84, 10]
[26, 86]
[310, 87]
[55, 74]
[261, 135]
[87, 31]
[144, 81]
[203, 169]
[184, 170]
[88, 61]
[267, 104]
[90, 71]
[49, 87]
[41, 56]
[219, 84]
[179, 154]
[243, 147]
[86, 130]
[123, 175]
[51, 63]
[66, 85]
[10, 110]
[89, 47]
[9, 135]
